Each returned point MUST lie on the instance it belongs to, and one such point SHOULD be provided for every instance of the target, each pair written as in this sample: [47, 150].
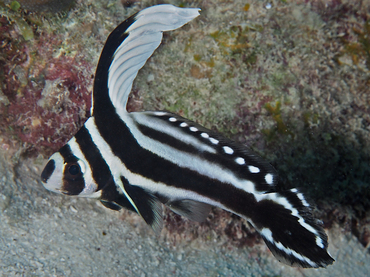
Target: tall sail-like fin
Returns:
[127, 49]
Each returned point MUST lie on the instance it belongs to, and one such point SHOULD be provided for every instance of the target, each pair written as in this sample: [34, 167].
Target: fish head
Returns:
[69, 175]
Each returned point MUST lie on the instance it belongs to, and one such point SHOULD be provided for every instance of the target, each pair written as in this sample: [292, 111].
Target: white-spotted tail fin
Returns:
[286, 224]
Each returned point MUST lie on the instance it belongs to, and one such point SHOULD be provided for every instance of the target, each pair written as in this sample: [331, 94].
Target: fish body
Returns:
[142, 160]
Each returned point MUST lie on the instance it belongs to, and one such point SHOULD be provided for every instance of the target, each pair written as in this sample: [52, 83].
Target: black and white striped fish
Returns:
[141, 160]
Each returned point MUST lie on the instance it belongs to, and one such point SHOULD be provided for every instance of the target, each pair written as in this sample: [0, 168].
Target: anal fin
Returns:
[146, 204]
[191, 209]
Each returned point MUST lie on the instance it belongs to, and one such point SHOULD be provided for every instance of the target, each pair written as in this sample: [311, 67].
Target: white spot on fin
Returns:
[254, 169]
[193, 129]
[172, 119]
[228, 150]
[240, 161]
[183, 124]
[269, 178]
[214, 141]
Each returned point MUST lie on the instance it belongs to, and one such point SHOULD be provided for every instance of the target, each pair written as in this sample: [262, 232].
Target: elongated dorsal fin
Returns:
[127, 49]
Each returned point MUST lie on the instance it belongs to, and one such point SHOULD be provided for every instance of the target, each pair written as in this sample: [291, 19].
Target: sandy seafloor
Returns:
[44, 234]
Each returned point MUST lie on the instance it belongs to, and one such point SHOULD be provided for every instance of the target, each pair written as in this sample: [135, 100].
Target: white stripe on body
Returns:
[185, 160]
[146, 119]
[119, 169]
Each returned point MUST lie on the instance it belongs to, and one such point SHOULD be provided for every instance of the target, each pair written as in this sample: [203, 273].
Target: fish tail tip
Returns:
[293, 235]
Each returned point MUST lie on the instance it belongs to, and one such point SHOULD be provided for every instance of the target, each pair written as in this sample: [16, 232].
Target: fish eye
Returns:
[74, 169]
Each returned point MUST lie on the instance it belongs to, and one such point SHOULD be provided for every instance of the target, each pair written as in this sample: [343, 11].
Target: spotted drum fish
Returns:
[141, 160]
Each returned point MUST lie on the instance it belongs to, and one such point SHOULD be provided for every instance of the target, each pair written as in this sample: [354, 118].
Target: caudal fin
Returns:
[285, 222]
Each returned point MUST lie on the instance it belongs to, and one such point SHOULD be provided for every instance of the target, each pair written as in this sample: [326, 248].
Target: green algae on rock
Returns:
[45, 5]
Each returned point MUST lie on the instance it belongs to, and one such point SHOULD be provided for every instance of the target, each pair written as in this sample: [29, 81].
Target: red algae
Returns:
[47, 97]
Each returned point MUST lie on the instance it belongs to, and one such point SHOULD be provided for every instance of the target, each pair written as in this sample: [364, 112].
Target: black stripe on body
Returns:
[167, 139]
[100, 170]
[145, 163]
[72, 184]
[226, 161]
[67, 154]
[263, 214]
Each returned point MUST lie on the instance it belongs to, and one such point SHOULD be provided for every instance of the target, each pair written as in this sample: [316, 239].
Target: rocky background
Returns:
[289, 78]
